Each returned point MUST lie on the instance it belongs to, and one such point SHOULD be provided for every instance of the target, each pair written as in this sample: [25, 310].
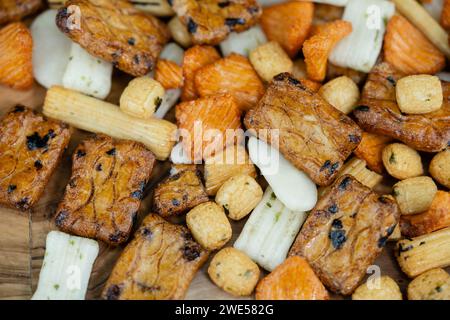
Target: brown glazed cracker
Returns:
[313, 135]
[179, 192]
[158, 264]
[345, 233]
[378, 113]
[116, 32]
[31, 147]
[105, 190]
[210, 21]
[14, 10]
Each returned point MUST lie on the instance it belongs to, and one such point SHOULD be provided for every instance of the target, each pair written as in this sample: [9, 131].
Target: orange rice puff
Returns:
[310, 84]
[317, 48]
[16, 45]
[409, 51]
[435, 218]
[234, 75]
[195, 58]
[203, 124]
[288, 24]
[294, 279]
[445, 15]
[371, 148]
[169, 74]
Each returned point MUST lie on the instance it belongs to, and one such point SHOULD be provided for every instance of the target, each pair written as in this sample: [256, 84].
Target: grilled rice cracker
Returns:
[16, 66]
[179, 192]
[158, 264]
[14, 10]
[31, 147]
[378, 113]
[105, 190]
[314, 136]
[114, 31]
[345, 233]
[210, 21]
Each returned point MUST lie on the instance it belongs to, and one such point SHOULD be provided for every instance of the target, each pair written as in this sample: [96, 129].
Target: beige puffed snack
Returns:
[401, 161]
[382, 288]
[342, 93]
[440, 168]
[233, 271]
[209, 225]
[239, 195]
[299, 69]
[142, 97]
[414, 195]
[179, 32]
[269, 60]
[431, 285]
[419, 94]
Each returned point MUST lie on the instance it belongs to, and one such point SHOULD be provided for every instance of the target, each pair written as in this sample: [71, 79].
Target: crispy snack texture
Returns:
[116, 32]
[105, 190]
[445, 15]
[317, 48]
[345, 233]
[210, 21]
[371, 148]
[234, 272]
[313, 135]
[195, 58]
[436, 217]
[179, 193]
[16, 65]
[158, 264]
[294, 279]
[378, 113]
[31, 147]
[169, 74]
[288, 24]
[409, 51]
[14, 10]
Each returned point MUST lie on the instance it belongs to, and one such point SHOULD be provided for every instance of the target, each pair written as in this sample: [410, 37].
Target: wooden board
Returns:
[22, 234]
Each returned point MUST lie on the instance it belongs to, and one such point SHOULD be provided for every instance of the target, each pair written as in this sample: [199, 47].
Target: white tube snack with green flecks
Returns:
[270, 231]
[360, 50]
[87, 74]
[66, 268]
[243, 42]
[51, 50]
[281, 174]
